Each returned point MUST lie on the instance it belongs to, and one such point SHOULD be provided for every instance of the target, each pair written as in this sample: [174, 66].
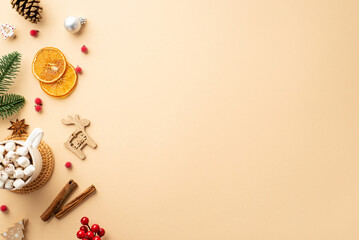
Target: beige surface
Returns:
[215, 120]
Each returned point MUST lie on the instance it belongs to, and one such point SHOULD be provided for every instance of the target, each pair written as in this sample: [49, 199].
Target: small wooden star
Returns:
[7, 30]
[18, 127]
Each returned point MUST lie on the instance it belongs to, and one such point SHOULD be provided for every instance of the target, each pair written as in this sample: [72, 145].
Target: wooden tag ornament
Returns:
[79, 138]
[16, 232]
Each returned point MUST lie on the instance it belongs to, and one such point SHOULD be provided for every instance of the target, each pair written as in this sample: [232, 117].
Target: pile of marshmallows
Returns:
[15, 166]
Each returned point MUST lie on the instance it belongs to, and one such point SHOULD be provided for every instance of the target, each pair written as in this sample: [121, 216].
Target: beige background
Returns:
[228, 119]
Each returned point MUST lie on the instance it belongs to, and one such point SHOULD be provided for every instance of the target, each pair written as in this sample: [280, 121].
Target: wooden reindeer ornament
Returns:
[79, 138]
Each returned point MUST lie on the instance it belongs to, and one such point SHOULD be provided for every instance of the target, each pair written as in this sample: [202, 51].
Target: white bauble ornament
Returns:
[73, 24]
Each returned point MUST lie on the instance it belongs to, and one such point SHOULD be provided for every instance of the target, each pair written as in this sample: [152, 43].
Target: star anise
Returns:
[18, 127]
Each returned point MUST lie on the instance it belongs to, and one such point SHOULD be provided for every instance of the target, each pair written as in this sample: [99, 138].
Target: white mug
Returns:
[32, 143]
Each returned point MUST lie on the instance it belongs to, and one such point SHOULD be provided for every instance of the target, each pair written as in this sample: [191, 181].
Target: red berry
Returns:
[83, 228]
[84, 49]
[78, 69]
[68, 164]
[34, 33]
[38, 108]
[81, 234]
[96, 238]
[3, 208]
[38, 101]
[101, 232]
[89, 235]
[84, 220]
[95, 228]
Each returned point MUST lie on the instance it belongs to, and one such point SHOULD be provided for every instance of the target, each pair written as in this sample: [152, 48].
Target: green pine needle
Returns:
[9, 67]
[10, 104]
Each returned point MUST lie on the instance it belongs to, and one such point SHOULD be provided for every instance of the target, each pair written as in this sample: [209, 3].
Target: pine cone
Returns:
[30, 9]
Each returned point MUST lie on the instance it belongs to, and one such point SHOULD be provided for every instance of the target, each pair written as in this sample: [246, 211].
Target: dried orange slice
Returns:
[49, 64]
[64, 85]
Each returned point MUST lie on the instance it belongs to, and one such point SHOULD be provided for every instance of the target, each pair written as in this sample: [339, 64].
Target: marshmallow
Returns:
[2, 149]
[3, 176]
[1, 167]
[10, 169]
[23, 161]
[16, 164]
[1, 157]
[22, 151]
[11, 155]
[6, 162]
[19, 183]
[10, 146]
[9, 184]
[29, 170]
[19, 173]
[25, 178]
[2, 183]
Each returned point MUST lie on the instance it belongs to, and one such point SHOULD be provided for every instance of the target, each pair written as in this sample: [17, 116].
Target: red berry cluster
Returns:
[87, 232]
[84, 49]
[38, 106]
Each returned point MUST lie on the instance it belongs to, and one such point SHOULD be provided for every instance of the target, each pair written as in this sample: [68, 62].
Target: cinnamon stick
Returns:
[60, 199]
[76, 201]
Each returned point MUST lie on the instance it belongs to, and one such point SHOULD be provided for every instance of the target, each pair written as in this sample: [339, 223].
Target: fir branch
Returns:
[9, 67]
[10, 104]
